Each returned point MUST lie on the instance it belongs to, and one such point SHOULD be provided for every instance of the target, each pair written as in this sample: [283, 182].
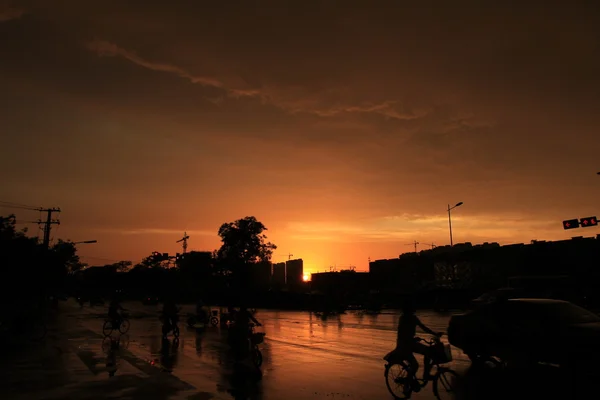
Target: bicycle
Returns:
[168, 326]
[407, 382]
[256, 338]
[122, 325]
[109, 343]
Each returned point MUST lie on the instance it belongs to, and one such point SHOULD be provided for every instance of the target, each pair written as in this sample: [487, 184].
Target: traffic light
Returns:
[571, 224]
[589, 221]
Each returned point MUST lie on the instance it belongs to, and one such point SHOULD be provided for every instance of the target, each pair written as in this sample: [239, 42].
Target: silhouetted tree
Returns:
[244, 243]
[65, 254]
[153, 261]
[122, 266]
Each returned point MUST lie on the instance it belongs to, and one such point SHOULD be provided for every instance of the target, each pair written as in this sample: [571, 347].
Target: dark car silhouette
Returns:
[527, 330]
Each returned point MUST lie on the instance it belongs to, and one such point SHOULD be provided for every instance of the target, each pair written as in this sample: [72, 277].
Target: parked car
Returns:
[527, 330]
[506, 293]
[498, 295]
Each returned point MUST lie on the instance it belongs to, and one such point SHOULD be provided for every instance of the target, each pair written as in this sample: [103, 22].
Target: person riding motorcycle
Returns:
[407, 343]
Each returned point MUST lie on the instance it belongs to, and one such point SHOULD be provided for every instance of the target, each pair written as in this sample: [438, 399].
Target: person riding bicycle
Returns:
[241, 332]
[201, 313]
[407, 343]
[170, 312]
[113, 311]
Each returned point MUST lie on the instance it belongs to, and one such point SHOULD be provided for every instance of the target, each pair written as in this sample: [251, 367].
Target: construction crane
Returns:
[415, 243]
[184, 240]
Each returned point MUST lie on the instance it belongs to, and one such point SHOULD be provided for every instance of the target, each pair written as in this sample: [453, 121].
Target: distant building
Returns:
[196, 263]
[197, 259]
[396, 274]
[294, 272]
[278, 277]
[260, 275]
[345, 281]
[488, 266]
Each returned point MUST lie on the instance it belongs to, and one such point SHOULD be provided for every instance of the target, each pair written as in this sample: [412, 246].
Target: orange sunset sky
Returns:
[346, 127]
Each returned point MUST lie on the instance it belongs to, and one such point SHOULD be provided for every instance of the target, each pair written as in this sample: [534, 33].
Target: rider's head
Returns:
[408, 307]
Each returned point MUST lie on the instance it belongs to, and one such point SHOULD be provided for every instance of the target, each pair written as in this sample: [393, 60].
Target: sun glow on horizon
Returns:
[306, 277]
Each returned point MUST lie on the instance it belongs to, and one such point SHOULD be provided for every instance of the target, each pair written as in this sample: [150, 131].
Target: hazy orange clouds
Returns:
[346, 130]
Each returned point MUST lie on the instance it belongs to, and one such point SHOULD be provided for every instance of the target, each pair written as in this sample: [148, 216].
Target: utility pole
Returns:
[290, 256]
[415, 243]
[433, 246]
[184, 240]
[48, 224]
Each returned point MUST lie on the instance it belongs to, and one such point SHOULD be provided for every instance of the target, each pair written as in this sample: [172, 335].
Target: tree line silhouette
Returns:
[228, 269]
[30, 271]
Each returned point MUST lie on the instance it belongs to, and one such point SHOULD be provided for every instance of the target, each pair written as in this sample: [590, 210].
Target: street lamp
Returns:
[450, 219]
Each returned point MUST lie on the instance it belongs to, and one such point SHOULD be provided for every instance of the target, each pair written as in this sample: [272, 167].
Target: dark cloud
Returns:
[390, 104]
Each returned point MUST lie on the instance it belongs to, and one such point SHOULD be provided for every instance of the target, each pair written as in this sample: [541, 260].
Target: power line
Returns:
[17, 205]
[48, 224]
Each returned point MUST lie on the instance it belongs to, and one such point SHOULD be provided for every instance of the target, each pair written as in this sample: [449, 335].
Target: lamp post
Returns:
[450, 219]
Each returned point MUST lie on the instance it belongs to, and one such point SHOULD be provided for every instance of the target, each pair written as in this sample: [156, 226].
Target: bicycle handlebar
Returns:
[433, 340]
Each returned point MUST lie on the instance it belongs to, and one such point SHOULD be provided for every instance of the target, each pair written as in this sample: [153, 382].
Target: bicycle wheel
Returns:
[445, 383]
[124, 326]
[107, 328]
[398, 381]
[257, 358]
[214, 321]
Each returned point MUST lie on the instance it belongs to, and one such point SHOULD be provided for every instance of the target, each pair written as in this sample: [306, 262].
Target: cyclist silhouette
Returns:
[113, 311]
[407, 343]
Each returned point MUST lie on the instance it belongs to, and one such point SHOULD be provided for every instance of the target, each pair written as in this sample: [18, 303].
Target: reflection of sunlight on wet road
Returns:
[305, 357]
[303, 353]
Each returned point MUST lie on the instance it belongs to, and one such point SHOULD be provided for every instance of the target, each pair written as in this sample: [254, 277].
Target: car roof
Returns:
[538, 301]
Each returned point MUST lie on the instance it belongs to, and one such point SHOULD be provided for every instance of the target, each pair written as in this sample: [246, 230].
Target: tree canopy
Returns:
[244, 242]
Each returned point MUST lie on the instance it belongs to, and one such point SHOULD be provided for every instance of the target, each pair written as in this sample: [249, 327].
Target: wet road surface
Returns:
[305, 357]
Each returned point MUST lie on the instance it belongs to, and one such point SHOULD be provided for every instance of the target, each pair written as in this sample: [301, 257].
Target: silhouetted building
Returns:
[278, 277]
[488, 266]
[343, 282]
[294, 273]
[260, 275]
[195, 259]
[396, 274]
